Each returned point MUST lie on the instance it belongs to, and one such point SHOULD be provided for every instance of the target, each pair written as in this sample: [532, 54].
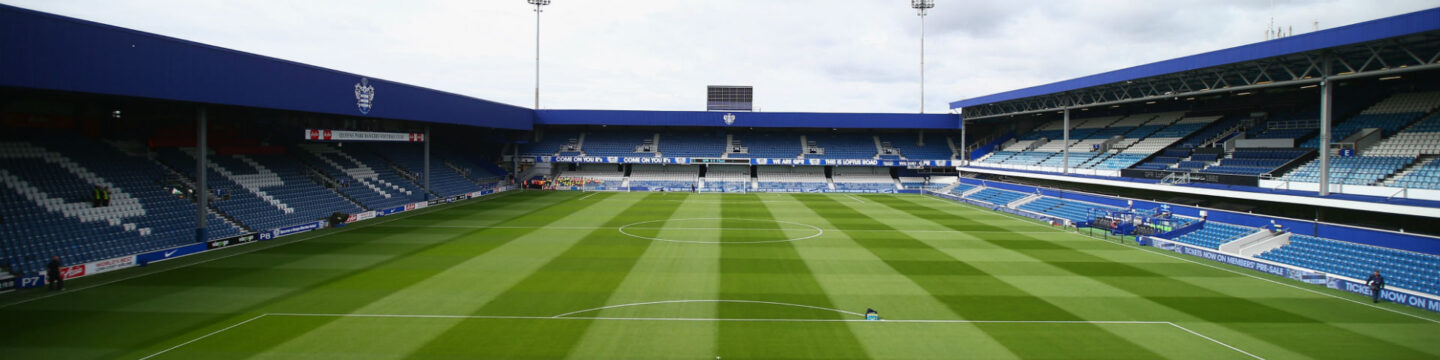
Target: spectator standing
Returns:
[52, 273]
[1377, 283]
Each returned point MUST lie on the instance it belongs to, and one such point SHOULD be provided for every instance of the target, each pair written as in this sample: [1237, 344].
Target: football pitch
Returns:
[701, 276]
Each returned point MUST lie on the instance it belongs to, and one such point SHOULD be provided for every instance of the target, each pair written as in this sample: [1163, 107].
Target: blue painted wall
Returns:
[748, 119]
[46, 51]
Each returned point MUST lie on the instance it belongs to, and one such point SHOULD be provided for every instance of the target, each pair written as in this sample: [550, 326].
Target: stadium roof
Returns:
[748, 119]
[1400, 43]
[46, 51]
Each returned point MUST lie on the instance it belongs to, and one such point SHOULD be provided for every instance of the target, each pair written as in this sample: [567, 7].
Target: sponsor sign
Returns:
[237, 240]
[7, 284]
[31, 281]
[109, 265]
[1223, 258]
[292, 230]
[612, 160]
[171, 253]
[73, 271]
[346, 135]
[390, 211]
[360, 216]
[1411, 300]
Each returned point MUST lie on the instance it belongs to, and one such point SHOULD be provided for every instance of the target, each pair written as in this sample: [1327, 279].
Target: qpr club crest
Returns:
[364, 95]
[729, 119]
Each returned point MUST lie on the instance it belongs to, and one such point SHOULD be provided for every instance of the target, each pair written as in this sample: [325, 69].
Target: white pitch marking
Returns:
[1193, 332]
[254, 248]
[853, 197]
[204, 336]
[818, 231]
[588, 196]
[1212, 266]
[708, 301]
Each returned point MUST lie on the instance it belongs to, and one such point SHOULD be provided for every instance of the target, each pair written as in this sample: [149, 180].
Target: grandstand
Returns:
[1098, 144]
[840, 146]
[996, 196]
[47, 211]
[691, 144]
[999, 240]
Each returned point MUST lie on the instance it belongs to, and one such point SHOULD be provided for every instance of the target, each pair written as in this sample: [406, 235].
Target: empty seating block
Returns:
[996, 196]
[551, 144]
[1402, 269]
[935, 147]
[1066, 209]
[1359, 170]
[866, 179]
[691, 144]
[365, 177]
[767, 145]
[1213, 234]
[842, 146]
[47, 208]
[1423, 138]
[792, 179]
[614, 143]
[669, 178]
[1425, 176]
[444, 181]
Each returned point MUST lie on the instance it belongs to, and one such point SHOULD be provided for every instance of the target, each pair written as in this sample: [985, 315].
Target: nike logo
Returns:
[171, 252]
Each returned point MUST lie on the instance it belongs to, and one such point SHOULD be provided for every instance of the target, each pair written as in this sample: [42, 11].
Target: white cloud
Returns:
[810, 55]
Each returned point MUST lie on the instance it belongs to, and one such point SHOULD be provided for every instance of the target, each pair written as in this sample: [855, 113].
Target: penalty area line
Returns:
[202, 337]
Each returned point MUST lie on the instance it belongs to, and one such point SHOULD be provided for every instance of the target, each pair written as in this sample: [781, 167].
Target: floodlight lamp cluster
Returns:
[922, 5]
[539, 2]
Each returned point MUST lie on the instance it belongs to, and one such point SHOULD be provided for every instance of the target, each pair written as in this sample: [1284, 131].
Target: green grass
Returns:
[487, 278]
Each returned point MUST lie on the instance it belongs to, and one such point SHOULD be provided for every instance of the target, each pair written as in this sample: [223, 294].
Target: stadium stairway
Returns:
[444, 180]
[262, 192]
[373, 189]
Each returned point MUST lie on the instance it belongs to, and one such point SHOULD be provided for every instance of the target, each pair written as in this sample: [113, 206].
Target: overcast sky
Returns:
[801, 55]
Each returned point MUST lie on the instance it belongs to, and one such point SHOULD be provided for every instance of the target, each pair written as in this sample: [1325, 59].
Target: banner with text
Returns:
[346, 135]
[1412, 300]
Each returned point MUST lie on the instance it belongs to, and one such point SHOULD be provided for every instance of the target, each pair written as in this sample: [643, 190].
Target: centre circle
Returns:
[711, 225]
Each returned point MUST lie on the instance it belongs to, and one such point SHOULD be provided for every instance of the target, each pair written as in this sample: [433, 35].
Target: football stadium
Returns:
[171, 199]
